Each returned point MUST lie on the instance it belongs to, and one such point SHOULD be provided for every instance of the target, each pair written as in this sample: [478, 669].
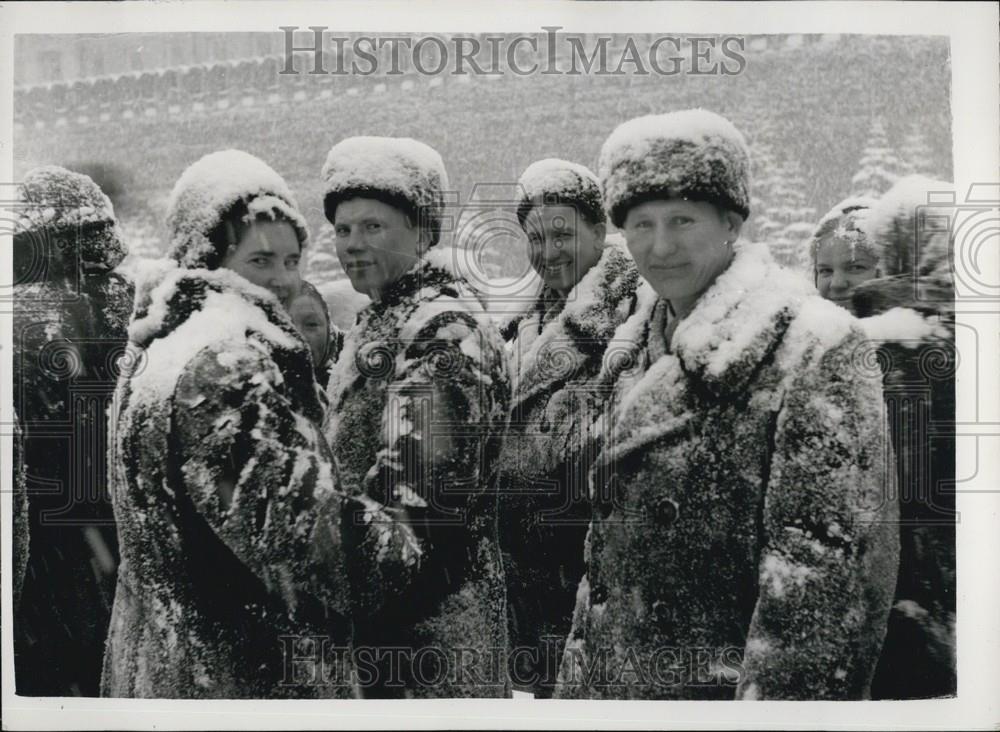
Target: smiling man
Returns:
[418, 401]
[556, 346]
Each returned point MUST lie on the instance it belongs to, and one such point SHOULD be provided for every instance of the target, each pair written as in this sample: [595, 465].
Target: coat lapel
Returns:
[580, 332]
[716, 350]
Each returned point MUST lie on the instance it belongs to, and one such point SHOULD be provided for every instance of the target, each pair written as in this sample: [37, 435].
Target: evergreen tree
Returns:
[915, 154]
[879, 166]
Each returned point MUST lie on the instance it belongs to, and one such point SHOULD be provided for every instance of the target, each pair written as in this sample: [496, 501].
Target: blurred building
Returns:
[44, 59]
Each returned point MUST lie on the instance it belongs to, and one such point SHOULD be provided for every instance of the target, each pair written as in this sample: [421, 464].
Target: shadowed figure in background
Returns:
[311, 316]
[742, 545]
[906, 306]
[71, 312]
[418, 404]
[556, 346]
[225, 492]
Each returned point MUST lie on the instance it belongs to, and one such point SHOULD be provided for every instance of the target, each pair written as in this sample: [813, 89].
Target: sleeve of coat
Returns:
[444, 409]
[260, 474]
[831, 545]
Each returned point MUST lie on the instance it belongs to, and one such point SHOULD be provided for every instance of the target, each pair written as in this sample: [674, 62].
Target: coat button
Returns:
[665, 511]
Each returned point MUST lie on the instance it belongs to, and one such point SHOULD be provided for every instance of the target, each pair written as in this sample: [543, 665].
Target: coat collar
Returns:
[593, 309]
[434, 273]
[716, 350]
[172, 296]
[735, 325]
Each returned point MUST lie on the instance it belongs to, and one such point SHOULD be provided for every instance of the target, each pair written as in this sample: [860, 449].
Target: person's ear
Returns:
[423, 241]
[600, 234]
[734, 222]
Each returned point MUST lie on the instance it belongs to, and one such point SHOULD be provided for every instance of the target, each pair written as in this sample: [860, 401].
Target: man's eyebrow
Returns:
[261, 253]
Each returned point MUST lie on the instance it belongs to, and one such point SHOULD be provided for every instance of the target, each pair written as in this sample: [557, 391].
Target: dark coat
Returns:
[227, 504]
[70, 319]
[418, 403]
[918, 659]
[19, 516]
[741, 544]
[545, 511]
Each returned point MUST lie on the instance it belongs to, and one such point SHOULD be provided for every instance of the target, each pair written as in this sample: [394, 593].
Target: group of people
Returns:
[670, 475]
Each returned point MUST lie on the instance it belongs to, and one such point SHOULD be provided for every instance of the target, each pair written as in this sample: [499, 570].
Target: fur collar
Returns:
[593, 310]
[736, 323]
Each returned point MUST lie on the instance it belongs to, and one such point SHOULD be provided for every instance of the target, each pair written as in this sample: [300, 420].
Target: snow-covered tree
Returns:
[915, 154]
[789, 219]
[879, 166]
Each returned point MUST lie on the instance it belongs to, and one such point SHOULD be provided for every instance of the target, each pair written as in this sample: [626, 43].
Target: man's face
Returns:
[376, 244]
[268, 255]
[840, 268]
[562, 246]
[680, 246]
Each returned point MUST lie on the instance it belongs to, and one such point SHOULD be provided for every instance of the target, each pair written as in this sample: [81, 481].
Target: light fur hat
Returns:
[399, 171]
[209, 188]
[559, 181]
[694, 154]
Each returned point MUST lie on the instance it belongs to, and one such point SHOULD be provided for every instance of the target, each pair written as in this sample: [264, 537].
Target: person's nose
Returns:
[355, 241]
[666, 242]
[839, 281]
[284, 281]
[552, 250]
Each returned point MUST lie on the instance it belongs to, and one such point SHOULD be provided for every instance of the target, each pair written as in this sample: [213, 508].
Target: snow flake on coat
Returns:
[226, 499]
[557, 352]
[418, 404]
[738, 504]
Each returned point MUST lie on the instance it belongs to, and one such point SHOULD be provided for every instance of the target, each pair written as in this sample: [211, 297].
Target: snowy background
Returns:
[825, 116]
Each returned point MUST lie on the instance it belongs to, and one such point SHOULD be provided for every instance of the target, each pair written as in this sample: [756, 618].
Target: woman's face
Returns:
[680, 246]
[840, 267]
[268, 255]
[309, 318]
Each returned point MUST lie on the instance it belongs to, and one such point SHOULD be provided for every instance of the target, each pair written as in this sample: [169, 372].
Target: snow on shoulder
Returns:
[892, 222]
[222, 322]
[819, 326]
[742, 303]
[209, 187]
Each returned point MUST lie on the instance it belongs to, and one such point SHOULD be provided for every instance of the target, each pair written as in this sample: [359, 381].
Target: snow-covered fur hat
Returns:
[209, 189]
[554, 181]
[56, 201]
[693, 154]
[846, 222]
[399, 171]
[909, 231]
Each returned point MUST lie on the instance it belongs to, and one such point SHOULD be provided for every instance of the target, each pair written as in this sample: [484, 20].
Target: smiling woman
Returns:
[264, 251]
[237, 535]
[842, 256]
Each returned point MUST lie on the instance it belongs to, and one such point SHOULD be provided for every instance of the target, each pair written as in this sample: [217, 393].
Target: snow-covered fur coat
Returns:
[742, 544]
[226, 499]
[545, 511]
[910, 320]
[70, 318]
[418, 403]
